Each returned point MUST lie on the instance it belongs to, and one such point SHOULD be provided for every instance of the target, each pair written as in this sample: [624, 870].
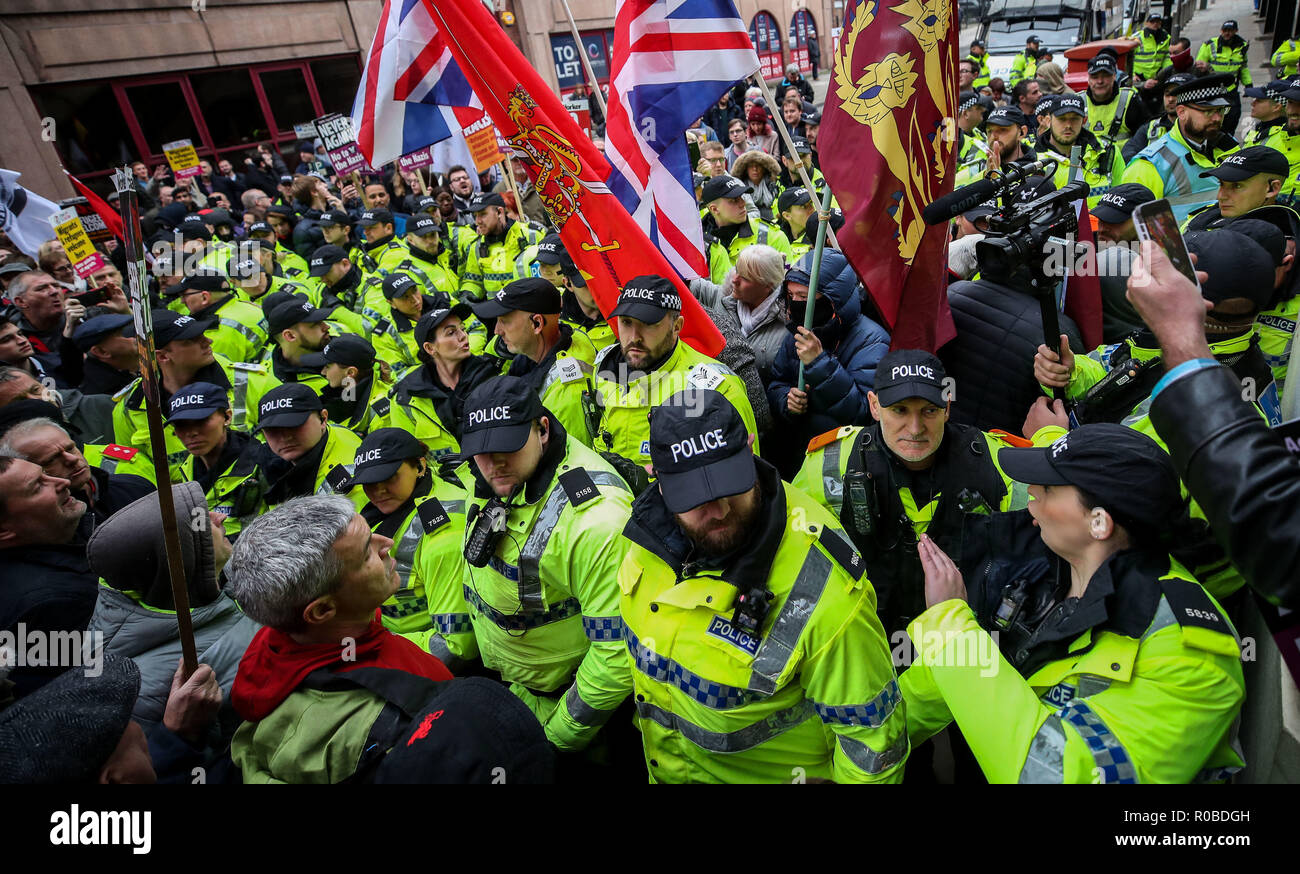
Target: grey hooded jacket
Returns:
[136, 612]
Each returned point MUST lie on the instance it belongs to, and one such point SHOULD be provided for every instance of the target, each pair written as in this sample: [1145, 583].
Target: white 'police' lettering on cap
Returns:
[641, 294]
[307, 307]
[698, 444]
[372, 455]
[367, 216]
[1235, 159]
[1114, 199]
[183, 321]
[499, 413]
[277, 404]
[1061, 444]
[317, 262]
[179, 401]
[911, 371]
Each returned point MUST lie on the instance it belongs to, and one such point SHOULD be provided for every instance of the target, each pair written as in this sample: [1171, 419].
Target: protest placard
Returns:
[182, 158]
[76, 242]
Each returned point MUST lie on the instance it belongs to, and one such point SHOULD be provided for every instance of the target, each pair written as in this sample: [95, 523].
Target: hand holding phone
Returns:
[1155, 223]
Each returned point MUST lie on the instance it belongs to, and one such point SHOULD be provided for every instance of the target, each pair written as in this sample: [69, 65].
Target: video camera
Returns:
[1016, 244]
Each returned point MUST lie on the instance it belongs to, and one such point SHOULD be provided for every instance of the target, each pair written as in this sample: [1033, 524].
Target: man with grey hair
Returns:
[48, 319]
[793, 81]
[314, 574]
[750, 294]
[47, 444]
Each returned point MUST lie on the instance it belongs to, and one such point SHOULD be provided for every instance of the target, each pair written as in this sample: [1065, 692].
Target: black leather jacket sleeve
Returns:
[1240, 474]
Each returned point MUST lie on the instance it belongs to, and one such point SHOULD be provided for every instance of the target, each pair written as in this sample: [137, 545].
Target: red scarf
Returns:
[275, 664]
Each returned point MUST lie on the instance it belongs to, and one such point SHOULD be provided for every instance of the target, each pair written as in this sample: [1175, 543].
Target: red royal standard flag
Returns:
[606, 243]
[888, 149]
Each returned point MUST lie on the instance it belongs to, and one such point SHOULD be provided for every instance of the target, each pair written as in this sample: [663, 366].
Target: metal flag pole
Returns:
[779, 120]
[823, 225]
[586, 62]
[137, 285]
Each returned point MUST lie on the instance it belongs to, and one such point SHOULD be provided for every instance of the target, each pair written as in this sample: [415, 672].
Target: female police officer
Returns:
[1112, 665]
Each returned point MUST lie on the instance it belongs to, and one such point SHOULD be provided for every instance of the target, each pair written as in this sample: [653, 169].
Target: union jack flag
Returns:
[409, 86]
[672, 60]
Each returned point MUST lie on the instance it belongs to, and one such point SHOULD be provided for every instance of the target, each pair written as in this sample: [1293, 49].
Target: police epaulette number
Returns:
[337, 477]
[433, 515]
[1193, 607]
[381, 406]
[381, 327]
[578, 485]
[847, 557]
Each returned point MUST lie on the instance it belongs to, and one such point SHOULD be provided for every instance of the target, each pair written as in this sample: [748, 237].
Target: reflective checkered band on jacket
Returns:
[527, 619]
[452, 623]
[1113, 762]
[872, 714]
[662, 669]
[600, 628]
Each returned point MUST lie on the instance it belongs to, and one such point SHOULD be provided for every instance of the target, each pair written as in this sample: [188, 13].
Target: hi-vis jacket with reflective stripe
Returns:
[813, 697]
[429, 609]
[1154, 707]
[1170, 168]
[336, 464]
[491, 265]
[545, 608]
[624, 424]
[240, 332]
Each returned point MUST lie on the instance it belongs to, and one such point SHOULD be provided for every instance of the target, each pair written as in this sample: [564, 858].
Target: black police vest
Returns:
[872, 513]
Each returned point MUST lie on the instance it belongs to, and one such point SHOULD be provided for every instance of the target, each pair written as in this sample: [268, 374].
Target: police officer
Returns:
[1152, 50]
[1005, 127]
[111, 358]
[1157, 127]
[430, 262]
[790, 170]
[1097, 630]
[1170, 166]
[980, 58]
[543, 546]
[1286, 60]
[970, 117]
[377, 226]
[395, 335]
[320, 454]
[1114, 113]
[795, 208]
[911, 473]
[355, 380]
[1268, 109]
[1114, 215]
[428, 401]
[257, 276]
[492, 257]
[354, 300]
[424, 515]
[336, 230]
[649, 365]
[184, 355]
[292, 265]
[731, 226]
[234, 469]
[1286, 139]
[757, 655]
[1226, 54]
[297, 329]
[1025, 65]
[578, 307]
[554, 359]
[239, 330]
[1248, 179]
[1101, 164]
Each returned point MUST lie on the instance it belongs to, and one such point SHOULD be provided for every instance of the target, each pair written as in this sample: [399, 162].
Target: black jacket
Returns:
[109, 492]
[1240, 474]
[100, 379]
[991, 359]
[47, 589]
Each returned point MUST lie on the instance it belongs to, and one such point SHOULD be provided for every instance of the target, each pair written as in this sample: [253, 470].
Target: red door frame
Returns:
[133, 124]
[304, 67]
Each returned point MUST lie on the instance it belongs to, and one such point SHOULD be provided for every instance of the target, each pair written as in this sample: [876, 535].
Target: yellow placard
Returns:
[76, 243]
[182, 158]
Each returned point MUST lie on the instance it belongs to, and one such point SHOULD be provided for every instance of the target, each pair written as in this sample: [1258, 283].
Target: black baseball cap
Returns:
[294, 312]
[382, 452]
[324, 258]
[1125, 471]
[499, 415]
[216, 217]
[337, 219]
[1237, 266]
[909, 373]
[281, 209]
[699, 447]
[719, 187]
[193, 228]
[485, 199]
[1044, 104]
[261, 228]
[169, 326]
[200, 280]
[1102, 63]
[424, 202]
[91, 331]
[349, 350]
[571, 271]
[372, 217]
[814, 117]
[550, 250]
[397, 285]
[648, 299]
[796, 195]
[1175, 80]
[801, 145]
[1033, 38]
[1067, 103]
[198, 400]
[240, 267]
[1154, 16]
[1117, 204]
[1230, 24]
[287, 406]
[977, 42]
[1249, 162]
[425, 224]
[1265, 233]
[1206, 90]
[1005, 116]
[532, 294]
[432, 319]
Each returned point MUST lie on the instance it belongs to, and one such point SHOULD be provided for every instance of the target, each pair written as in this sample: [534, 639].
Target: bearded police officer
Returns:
[298, 328]
[1101, 163]
[757, 655]
[649, 365]
[424, 515]
[1170, 166]
[543, 544]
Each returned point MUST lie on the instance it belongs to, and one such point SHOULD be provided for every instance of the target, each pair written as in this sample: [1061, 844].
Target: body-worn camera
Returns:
[489, 527]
